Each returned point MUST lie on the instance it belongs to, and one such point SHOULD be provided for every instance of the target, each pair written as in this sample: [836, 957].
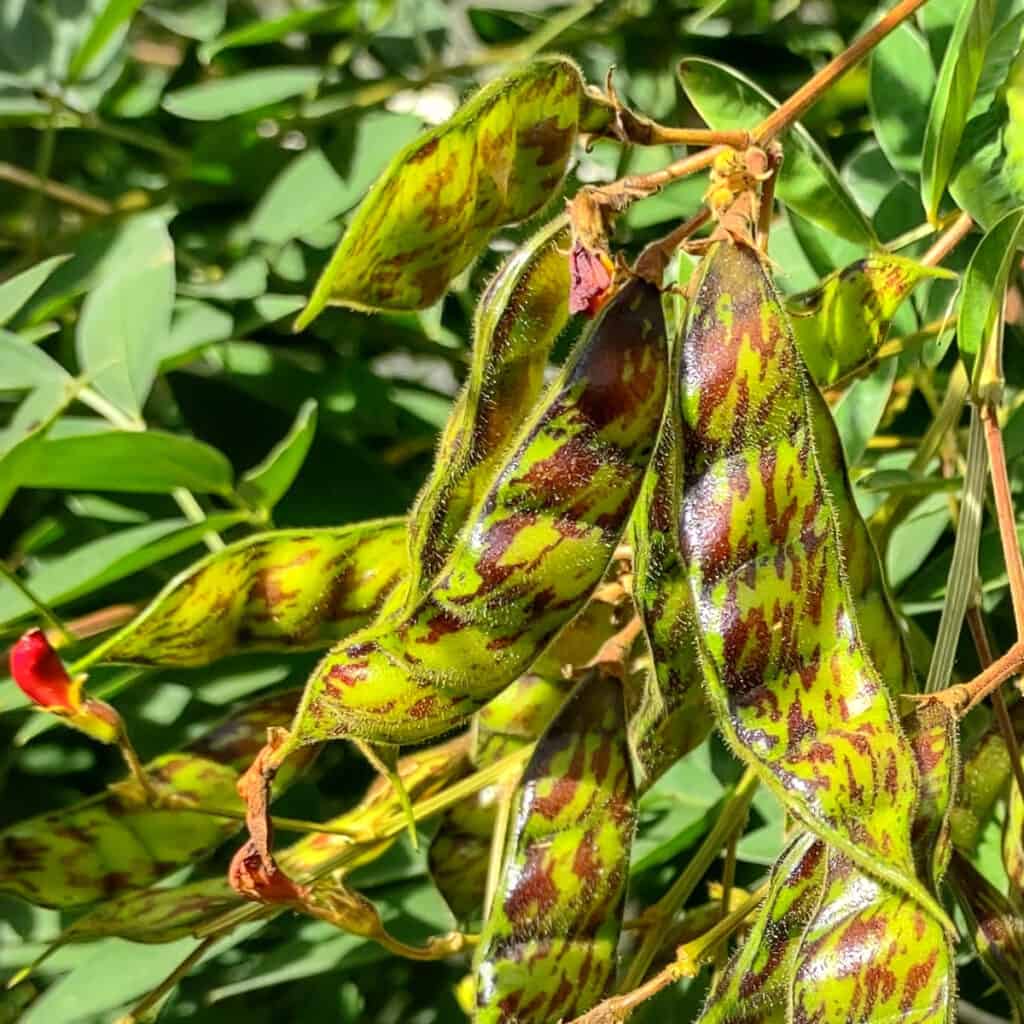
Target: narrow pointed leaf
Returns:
[266, 484]
[954, 93]
[984, 290]
[16, 291]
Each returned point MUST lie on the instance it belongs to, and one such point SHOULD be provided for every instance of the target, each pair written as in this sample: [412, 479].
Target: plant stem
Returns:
[948, 240]
[809, 93]
[963, 697]
[55, 190]
[43, 610]
[687, 961]
[1004, 512]
[135, 1015]
[733, 815]
[979, 633]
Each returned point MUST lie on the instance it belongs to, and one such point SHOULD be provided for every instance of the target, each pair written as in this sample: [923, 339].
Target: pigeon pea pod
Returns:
[518, 318]
[500, 158]
[532, 551]
[460, 851]
[996, 929]
[547, 949]
[840, 324]
[114, 842]
[281, 590]
[165, 915]
[832, 943]
[789, 674]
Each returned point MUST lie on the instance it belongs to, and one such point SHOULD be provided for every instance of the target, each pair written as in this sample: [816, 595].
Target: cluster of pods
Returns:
[600, 569]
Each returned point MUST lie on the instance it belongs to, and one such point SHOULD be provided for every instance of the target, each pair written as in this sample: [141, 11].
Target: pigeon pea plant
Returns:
[692, 567]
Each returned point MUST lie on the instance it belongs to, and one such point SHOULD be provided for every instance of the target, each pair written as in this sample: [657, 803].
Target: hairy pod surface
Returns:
[841, 322]
[460, 851]
[996, 928]
[114, 842]
[832, 943]
[165, 915]
[533, 550]
[282, 590]
[499, 159]
[547, 949]
[518, 318]
[793, 684]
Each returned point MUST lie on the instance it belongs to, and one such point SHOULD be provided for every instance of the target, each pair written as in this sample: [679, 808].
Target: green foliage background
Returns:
[214, 149]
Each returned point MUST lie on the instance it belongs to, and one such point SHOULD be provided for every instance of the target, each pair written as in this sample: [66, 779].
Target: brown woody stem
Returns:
[1004, 512]
[963, 697]
[55, 190]
[979, 633]
[948, 240]
[809, 93]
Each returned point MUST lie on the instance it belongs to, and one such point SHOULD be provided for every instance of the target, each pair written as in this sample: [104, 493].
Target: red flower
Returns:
[591, 274]
[37, 669]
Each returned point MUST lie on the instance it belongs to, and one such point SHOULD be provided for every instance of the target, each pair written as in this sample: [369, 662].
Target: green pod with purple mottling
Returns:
[547, 948]
[789, 673]
[843, 320]
[112, 842]
[460, 851]
[499, 160]
[164, 915]
[996, 929]
[519, 316]
[281, 590]
[531, 553]
[831, 943]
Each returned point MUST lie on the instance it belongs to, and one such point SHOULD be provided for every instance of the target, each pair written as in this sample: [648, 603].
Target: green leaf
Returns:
[954, 94]
[984, 290]
[16, 291]
[24, 366]
[988, 174]
[126, 318]
[118, 460]
[901, 87]
[194, 326]
[342, 18]
[808, 182]
[309, 193]
[114, 17]
[265, 485]
[107, 560]
[92, 989]
[227, 97]
[859, 411]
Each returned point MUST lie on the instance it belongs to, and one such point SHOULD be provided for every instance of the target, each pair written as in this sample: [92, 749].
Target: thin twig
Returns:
[948, 240]
[979, 633]
[1004, 512]
[55, 190]
[42, 609]
[155, 995]
[809, 93]
[733, 815]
